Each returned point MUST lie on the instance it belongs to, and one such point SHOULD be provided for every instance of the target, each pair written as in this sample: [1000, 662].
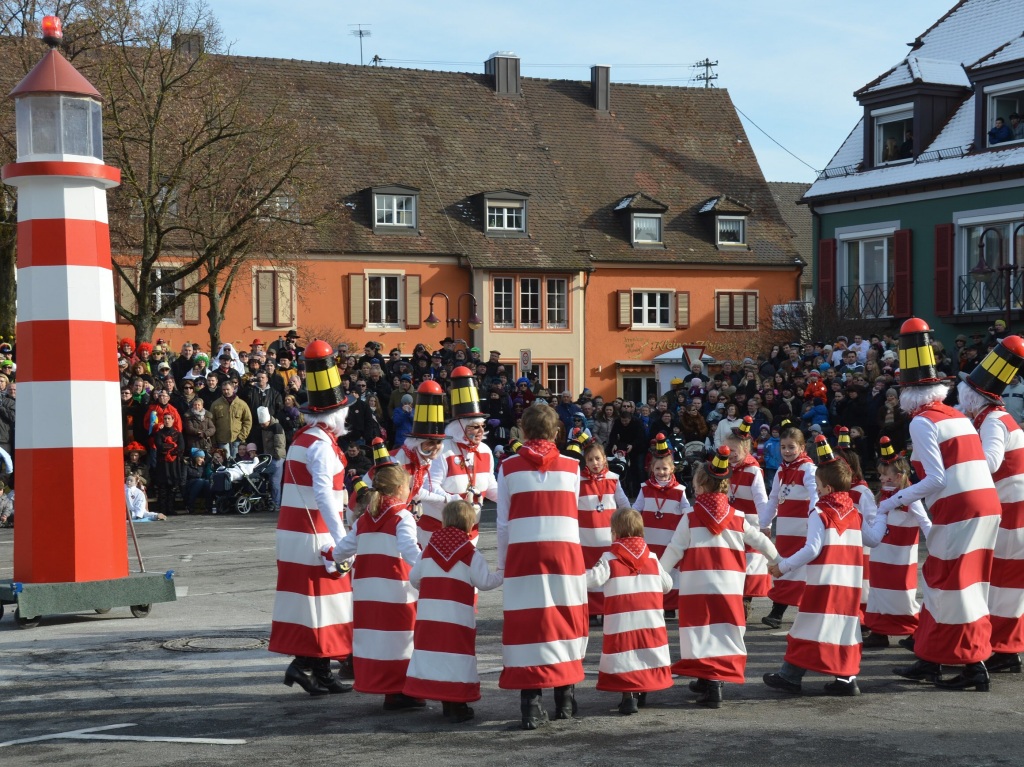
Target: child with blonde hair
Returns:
[747, 494]
[600, 494]
[135, 497]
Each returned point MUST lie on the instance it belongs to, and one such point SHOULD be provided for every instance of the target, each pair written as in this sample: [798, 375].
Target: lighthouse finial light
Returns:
[53, 30]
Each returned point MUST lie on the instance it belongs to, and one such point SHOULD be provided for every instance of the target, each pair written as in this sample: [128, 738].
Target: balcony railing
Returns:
[974, 295]
[868, 302]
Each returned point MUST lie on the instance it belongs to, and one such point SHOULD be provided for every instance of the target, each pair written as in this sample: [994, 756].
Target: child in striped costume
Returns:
[383, 541]
[662, 504]
[747, 494]
[893, 607]
[634, 657]
[708, 547]
[792, 498]
[864, 500]
[600, 494]
[443, 664]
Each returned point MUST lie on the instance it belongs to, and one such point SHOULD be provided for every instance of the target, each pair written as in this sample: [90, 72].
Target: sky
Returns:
[790, 66]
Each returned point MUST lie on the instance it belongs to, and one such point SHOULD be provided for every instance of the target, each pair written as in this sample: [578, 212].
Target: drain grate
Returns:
[216, 644]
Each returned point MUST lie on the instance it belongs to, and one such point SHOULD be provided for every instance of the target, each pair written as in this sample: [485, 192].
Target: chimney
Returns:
[601, 85]
[504, 65]
[190, 43]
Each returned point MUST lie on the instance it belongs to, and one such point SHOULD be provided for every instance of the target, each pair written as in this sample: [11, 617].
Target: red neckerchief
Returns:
[716, 511]
[415, 469]
[631, 552]
[800, 459]
[451, 546]
[540, 453]
[333, 442]
[389, 506]
[586, 473]
[662, 491]
[837, 508]
[464, 450]
[741, 466]
[979, 419]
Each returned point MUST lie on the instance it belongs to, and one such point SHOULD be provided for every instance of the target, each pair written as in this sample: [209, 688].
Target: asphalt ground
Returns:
[198, 669]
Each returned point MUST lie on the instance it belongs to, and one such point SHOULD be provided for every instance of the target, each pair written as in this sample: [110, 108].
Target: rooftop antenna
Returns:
[709, 73]
[360, 33]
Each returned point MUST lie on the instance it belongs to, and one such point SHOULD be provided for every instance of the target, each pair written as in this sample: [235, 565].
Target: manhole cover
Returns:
[215, 644]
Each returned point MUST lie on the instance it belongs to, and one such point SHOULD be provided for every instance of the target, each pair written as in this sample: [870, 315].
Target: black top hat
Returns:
[743, 430]
[886, 452]
[428, 412]
[824, 451]
[659, 446]
[844, 438]
[718, 466]
[464, 395]
[573, 450]
[997, 370]
[381, 455]
[917, 357]
[323, 381]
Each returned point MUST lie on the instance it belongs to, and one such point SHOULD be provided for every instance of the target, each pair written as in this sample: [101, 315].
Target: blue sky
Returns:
[790, 66]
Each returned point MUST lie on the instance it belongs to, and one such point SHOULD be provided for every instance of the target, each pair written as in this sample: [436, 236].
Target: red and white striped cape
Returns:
[1000, 434]
[794, 502]
[862, 498]
[545, 631]
[708, 549]
[634, 655]
[384, 601]
[662, 509]
[893, 606]
[443, 664]
[463, 468]
[825, 636]
[748, 495]
[600, 495]
[312, 608]
[425, 490]
[954, 628]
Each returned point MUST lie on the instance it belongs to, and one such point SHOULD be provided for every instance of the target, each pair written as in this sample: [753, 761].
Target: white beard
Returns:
[971, 403]
[333, 421]
[913, 398]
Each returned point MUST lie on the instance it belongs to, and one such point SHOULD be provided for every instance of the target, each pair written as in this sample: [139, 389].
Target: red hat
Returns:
[145, 346]
[256, 342]
[134, 447]
[127, 342]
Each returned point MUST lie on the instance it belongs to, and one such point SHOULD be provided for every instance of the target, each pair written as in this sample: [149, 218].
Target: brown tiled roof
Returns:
[797, 217]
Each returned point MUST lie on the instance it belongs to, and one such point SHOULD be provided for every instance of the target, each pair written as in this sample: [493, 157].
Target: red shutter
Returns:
[625, 308]
[902, 292]
[826, 272]
[945, 247]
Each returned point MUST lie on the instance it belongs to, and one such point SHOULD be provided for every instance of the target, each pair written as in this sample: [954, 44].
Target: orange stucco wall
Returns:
[607, 344]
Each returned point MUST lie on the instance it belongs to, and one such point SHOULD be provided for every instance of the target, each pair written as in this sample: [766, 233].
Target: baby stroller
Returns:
[245, 493]
[687, 455]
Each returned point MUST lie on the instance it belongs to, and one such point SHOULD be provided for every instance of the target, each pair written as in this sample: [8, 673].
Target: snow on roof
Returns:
[1013, 51]
[938, 72]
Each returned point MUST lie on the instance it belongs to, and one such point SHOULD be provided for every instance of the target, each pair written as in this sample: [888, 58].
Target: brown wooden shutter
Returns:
[826, 272]
[723, 310]
[902, 293]
[123, 292]
[625, 308]
[683, 309]
[263, 289]
[356, 300]
[945, 250]
[413, 304]
[750, 306]
[190, 309]
[285, 299]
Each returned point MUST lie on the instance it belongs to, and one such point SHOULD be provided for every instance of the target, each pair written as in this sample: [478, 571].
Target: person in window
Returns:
[1016, 127]
[891, 151]
[906, 150]
[1000, 132]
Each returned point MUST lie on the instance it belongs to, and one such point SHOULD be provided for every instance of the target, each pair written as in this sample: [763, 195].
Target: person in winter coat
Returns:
[402, 420]
[274, 442]
[259, 393]
[232, 418]
[167, 473]
[198, 427]
[817, 413]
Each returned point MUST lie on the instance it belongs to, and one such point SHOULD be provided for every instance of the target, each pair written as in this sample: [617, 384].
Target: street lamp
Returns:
[474, 322]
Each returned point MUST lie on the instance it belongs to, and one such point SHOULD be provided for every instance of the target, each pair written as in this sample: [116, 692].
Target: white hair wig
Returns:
[971, 403]
[456, 429]
[333, 420]
[913, 398]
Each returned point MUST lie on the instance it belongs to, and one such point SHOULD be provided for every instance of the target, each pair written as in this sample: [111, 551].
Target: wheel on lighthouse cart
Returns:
[25, 623]
[141, 611]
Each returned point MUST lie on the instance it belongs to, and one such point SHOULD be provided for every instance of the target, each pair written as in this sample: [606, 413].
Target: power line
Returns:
[816, 170]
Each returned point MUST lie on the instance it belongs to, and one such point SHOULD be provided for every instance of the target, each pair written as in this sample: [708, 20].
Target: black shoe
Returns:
[1004, 663]
[459, 713]
[670, 615]
[400, 702]
[446, 708]
[712, 695]
[596, 621]
[641, 699]
[974, 675]
[327, 680]
[776, 682]
[698, 685]
[907, 643]
[300, 673]
[345, 670]
[628, 704]
[771, 621]
[875, 641]
[534, 714]
[844, 688]
[565, 702]
[920, 671]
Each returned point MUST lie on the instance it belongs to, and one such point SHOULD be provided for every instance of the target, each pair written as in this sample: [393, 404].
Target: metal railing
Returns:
[974, 295]
[870, 302]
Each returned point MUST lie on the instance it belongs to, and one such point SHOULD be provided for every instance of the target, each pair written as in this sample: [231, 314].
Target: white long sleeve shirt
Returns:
[924, 435]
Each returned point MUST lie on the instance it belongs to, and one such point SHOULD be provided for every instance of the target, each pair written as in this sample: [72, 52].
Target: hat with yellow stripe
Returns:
[428, 412]
[886, 452]
[323, 381]
[824, 451]
[917, 357]
[573, 450]
[464, 395]
[381, 455]
[659, 446]
[997, 370]
[743, 430]
[718, 467]
[844, 439]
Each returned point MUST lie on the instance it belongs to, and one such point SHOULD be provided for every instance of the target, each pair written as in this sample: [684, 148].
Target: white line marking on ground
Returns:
[88, 734]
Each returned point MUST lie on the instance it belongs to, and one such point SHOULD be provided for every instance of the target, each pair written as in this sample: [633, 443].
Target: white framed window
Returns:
[1001, 101]
[508, 215]
[398, 210]
[865, 276]
[557, 302]
[735, 310]
[280, 206]
[652, 309]
[274, 298]
[530, 302]
[383, 305]
[557, 376]
[978, 290]
[504, 302]
[647, 229]
[894, 134]
[160, 295]
[731, 230]
[637, 388]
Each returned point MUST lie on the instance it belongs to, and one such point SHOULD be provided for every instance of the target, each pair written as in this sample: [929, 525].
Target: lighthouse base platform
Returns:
[139, 592]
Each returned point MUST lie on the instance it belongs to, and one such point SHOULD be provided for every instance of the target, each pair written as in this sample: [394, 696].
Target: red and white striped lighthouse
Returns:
[71, 508]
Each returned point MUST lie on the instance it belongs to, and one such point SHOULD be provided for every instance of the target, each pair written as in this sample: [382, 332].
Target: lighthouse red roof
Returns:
[54, 74]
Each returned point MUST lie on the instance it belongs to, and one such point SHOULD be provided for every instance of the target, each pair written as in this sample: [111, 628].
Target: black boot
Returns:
[327, 680]
[400, 702]
[459, 712]
[712, 695]
[565, 702]
[300, 671]
[628, 704]
[1004, 663]
[774, 618]
[641, 699]
[920, 671]
[446, 708]
[533, 712]
[698, 685]
[345, 670]
[974, 675]
[907, 643]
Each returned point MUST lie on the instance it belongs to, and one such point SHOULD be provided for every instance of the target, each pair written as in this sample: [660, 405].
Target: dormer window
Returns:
[506, 213]
[646, 228]
[645, 220]
[395, 209]
[732, 230]
[1005, 104]
[894, 133]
